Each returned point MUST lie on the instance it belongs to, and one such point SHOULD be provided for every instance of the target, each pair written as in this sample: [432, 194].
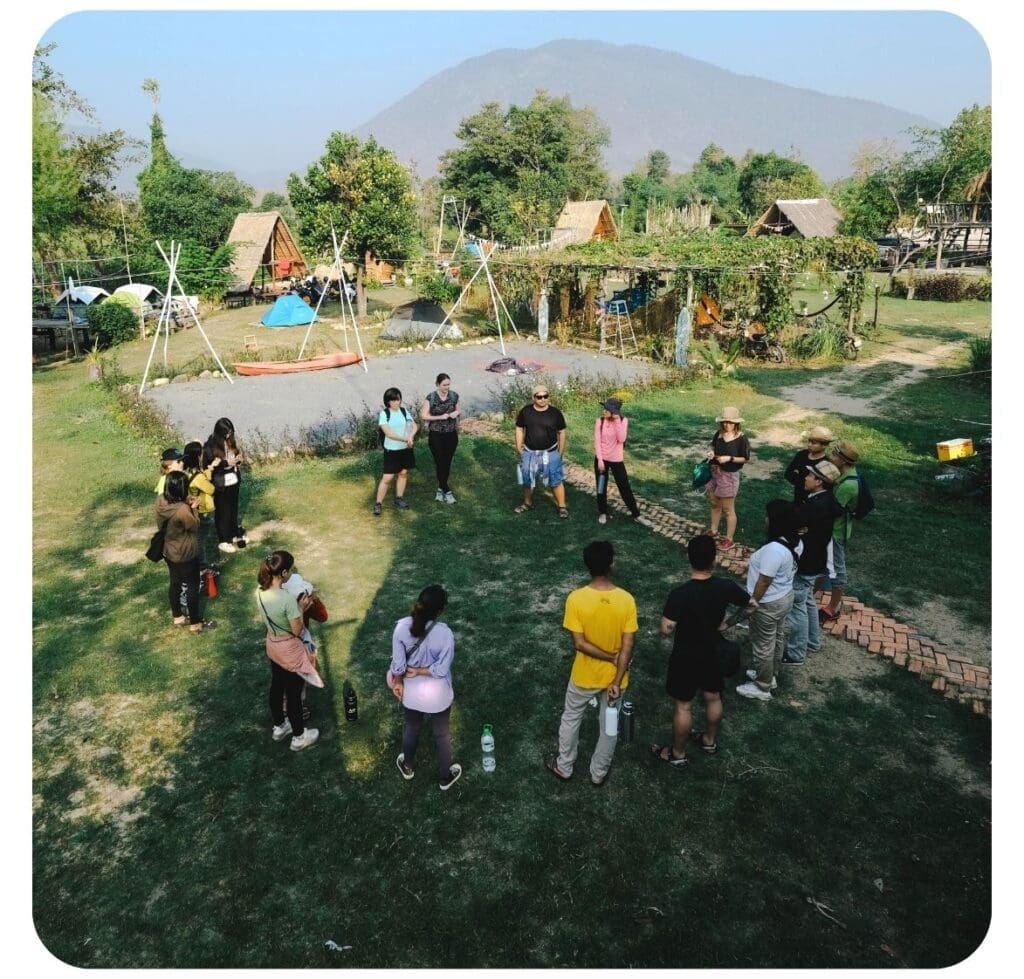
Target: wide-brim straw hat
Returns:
[847, 450]
[819, 433]
[730, 414]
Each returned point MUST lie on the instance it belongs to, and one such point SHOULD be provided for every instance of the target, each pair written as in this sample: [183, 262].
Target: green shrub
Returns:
[822, 339]
[434, 286]
[113, 323]
[950, 287]
[979, 350]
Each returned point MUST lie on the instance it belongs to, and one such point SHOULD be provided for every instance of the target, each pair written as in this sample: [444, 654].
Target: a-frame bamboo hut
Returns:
[264, 248]
[582, 221]
[812, 217]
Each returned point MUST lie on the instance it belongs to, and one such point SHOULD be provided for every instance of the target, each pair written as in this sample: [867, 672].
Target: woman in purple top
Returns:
[422, 650]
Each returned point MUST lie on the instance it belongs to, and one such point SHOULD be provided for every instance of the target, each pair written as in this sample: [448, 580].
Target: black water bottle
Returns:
[627, 719]
[351, 702]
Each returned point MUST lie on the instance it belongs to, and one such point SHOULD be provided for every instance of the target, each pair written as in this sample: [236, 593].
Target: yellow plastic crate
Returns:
[954, 449]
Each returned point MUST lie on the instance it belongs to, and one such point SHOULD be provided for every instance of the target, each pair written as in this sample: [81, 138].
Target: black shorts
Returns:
[689, 672]
[395, 460]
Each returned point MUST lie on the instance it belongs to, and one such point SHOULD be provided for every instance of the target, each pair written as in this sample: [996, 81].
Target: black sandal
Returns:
[666, 753]
[708, 749]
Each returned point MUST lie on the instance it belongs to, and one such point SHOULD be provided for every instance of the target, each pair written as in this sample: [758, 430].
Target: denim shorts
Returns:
[532, 467]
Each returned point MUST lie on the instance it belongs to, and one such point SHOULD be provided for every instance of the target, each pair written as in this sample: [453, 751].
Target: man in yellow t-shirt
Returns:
[602, 619]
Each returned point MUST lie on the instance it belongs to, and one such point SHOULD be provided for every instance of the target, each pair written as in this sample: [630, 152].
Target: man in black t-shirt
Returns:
[540, 443]
[817, 514]
[693, 614]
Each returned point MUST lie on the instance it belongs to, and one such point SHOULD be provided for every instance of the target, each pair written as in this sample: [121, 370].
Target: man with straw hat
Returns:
[817, 439]
[847, 493]
[816, 514]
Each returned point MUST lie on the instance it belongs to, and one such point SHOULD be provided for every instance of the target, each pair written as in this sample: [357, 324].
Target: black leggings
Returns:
[442, 738]
[184, 584]
[225, 514]
[442, 448]
[618, 470]
[286, 685]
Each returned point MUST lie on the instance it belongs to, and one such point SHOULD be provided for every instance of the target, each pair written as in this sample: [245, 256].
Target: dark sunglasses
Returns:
[541, 397]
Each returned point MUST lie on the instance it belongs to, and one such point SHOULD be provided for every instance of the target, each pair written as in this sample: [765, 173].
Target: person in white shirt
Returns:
[770, 584]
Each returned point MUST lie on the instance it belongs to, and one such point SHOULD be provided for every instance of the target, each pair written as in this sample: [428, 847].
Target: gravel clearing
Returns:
[284, 405]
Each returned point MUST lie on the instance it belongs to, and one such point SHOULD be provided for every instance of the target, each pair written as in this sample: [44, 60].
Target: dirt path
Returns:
[825, 393]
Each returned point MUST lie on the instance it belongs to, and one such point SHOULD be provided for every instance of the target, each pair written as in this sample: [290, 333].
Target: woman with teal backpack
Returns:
[398, 430]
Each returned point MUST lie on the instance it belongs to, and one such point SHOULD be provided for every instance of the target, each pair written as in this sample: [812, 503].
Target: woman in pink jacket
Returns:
[610, 432]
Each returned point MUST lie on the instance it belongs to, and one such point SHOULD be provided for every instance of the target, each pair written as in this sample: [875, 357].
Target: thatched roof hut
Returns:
[582, 221]
[812, 217]
[263, 239]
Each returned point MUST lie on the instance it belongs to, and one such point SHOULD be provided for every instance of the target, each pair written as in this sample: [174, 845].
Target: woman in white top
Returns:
[422, 650]
[770, 584]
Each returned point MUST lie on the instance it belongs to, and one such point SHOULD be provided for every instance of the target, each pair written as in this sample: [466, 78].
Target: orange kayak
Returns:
[257, 367]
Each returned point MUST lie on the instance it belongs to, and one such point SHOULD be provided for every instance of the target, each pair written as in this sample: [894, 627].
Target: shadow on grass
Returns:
[238, 852]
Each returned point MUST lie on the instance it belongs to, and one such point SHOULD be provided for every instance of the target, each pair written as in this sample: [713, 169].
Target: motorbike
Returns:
[761, 345]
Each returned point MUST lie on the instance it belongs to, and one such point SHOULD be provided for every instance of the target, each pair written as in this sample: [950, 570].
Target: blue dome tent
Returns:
[289, 310]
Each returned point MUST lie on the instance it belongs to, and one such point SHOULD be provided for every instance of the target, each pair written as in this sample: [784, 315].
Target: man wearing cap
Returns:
[169, 462]
[540, 442]
[818, 439]
[816, 514]
[846, 493]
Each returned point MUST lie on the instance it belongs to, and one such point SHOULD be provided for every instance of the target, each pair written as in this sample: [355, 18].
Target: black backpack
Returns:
[865, 501]
[380, 431]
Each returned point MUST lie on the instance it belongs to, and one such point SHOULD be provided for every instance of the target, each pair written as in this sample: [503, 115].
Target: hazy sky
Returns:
[257, 92]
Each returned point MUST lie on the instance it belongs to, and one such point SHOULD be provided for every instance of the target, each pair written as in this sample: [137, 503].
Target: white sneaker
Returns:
[456, 774]
[407, 772]
[449, 497]
[753, 691]
[752, 675]
[281, 731]
[439, 496]
[226, 547]
[602, 518]
[305, 740]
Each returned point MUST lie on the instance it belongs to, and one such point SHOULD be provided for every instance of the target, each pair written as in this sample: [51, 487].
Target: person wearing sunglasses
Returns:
[540, 443]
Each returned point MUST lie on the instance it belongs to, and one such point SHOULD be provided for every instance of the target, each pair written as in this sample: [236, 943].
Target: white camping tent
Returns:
[82, 294]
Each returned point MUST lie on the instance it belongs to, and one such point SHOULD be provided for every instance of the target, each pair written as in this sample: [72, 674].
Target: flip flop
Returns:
[664, 753]
[551, 764]
[523, 507]
[563, 513]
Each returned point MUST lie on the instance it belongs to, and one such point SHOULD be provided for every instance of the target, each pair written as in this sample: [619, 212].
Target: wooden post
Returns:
[874, 321]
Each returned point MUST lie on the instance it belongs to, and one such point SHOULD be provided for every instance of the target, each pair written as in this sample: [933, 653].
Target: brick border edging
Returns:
[956, 677]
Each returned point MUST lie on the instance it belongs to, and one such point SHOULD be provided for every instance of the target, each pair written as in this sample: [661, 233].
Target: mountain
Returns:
[650, 99]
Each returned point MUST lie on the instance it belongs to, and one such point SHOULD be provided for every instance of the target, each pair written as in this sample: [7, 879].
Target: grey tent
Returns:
[419, 320]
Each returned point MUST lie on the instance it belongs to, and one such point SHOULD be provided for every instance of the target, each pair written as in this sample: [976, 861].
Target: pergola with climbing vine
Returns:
[748, 277]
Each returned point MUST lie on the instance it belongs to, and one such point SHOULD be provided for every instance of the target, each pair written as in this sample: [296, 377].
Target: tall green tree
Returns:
[888, 186]
[273, 201]
[519, 167]
[74, 209]
[360, 188]
[768, 177]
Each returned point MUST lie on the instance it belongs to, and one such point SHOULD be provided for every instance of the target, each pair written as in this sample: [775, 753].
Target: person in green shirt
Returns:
[846, 491]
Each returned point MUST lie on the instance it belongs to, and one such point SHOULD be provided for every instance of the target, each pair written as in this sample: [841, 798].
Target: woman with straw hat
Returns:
[730, 449]
[818, 439]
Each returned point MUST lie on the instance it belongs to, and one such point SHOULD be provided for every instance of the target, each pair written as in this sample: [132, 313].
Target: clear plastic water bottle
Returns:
[487, 747]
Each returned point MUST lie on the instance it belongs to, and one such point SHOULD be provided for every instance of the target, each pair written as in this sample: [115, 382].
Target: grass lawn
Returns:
[171, 831]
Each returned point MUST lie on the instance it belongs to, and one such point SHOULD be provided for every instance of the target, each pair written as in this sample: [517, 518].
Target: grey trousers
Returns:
[576, 700]
[768, 637]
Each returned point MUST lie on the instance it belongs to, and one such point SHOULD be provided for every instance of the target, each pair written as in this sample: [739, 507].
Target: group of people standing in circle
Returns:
[198, 486]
